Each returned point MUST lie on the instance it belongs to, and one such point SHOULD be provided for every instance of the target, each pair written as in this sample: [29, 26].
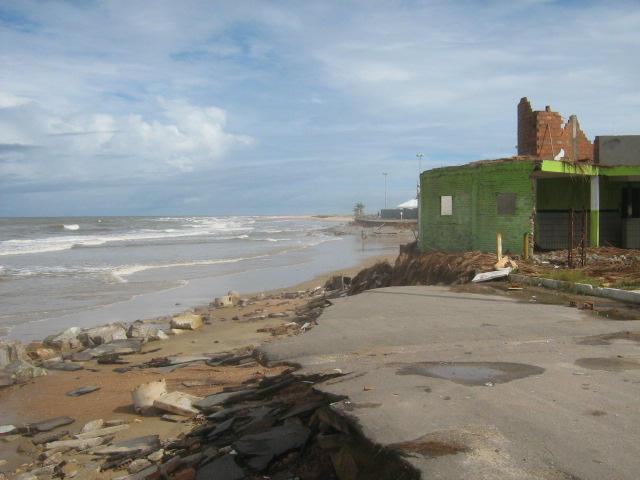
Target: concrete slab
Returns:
[417, 358]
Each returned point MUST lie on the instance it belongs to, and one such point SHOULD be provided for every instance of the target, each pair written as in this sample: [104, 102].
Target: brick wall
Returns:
[543, 134]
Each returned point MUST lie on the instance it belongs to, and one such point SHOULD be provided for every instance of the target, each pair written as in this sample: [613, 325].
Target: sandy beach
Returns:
[225, 329]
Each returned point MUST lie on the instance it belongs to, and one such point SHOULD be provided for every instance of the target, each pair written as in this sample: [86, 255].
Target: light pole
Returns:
[419, 156]
[385, 188]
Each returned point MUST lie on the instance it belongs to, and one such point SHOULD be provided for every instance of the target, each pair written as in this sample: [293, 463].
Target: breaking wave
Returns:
[73, 226]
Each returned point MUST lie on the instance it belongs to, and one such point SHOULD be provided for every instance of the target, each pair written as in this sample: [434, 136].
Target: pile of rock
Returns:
[15, 364]
[278, 428]
[68, 349]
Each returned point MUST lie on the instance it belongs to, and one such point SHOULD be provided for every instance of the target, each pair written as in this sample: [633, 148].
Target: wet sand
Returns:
[45, 397]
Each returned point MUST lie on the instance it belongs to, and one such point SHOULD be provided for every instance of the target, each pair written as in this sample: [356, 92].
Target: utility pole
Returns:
[385, 188]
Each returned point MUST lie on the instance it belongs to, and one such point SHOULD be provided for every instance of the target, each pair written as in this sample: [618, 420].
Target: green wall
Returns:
[475, 220]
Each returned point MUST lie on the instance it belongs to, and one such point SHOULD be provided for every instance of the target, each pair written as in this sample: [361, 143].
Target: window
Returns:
[446, 205]
[506, 203]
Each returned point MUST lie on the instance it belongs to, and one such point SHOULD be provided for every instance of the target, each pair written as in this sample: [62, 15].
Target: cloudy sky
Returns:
[240, 107]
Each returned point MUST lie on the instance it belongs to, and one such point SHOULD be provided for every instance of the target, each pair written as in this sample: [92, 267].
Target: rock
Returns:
[22, 371]
[102, 432]
[69, 470]
[50, 424]
[243, 302]
[178, 403]
[138, 465]
[259, 449]
[11, 352]
[82, 391]
[63, 366]
[48, 437]
[173, 418]
[145, 332]
[176, 331]
[92, 426]
[64, 341]
[5, 379]
[120, 347]
[27, 447]
[156, 456]
[223, 302]
[54, 459]
[234, 296]
[210, 402]
[223, 468]
[77, 444]
[37, 351]
[134, 446]
[8, 430]
[93, 337]
[145, 394]
[278, 315]
[187, 321]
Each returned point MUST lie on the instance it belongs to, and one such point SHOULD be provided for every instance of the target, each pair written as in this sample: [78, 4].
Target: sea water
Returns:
[61, 272]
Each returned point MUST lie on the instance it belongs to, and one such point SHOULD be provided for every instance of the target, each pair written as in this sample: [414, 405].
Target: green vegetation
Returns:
[358, 209]
[574, 276]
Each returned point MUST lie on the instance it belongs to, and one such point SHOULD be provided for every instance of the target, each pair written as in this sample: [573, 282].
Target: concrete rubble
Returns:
[187, 321]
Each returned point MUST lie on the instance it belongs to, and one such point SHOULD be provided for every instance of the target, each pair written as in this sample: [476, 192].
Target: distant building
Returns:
[463, 207]
[405, 211]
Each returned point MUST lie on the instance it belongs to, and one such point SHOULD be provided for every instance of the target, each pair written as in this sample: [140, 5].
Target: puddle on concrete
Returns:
[608, 338]
[608, 364]
[472, 373]
[430, 448]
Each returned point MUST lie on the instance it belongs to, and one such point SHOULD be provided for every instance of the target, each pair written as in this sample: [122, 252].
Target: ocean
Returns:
[61, 272]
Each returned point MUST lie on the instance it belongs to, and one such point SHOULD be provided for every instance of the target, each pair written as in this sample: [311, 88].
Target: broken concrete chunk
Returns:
[223, 302]
[11, 352]
[145, 332]
[208, 403]
[134, 446]
[120, 347]
[156, 456]
[77, 444]
[50, 424]
[145, 394]
[82, 391]
[259, 449]
[102, 432]
[21, 371]
[178, 403]
[138, 465]
[100, 335]
[223, 468]
[64, 341]
[8, 430]
[187, 321]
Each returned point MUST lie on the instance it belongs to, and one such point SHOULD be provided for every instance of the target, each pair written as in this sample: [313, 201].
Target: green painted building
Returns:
[464, 207]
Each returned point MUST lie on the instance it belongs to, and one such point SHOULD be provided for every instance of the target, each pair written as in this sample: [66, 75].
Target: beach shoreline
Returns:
[225, 329]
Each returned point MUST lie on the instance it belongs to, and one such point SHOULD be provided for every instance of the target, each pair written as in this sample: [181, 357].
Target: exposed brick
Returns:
[543, 134]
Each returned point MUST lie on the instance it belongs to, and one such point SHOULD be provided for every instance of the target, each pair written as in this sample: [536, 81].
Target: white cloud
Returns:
[180, 138]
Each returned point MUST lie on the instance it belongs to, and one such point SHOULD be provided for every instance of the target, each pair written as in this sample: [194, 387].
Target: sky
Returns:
[287, 107]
